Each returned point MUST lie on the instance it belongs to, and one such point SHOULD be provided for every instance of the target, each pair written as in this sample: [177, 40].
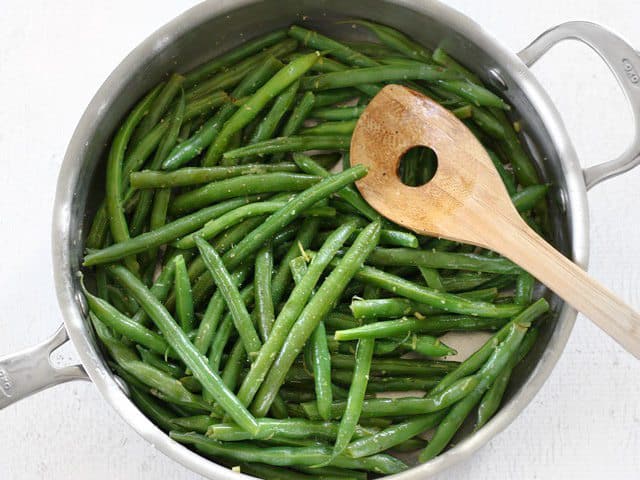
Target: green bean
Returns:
[370, 49]
[428, 346]
[152, 408]
[298, 396]
[213, 314]
[464, 112]
[113, 191]
[195, 423]
[241, 52]
[433, 259]
[522, 166]
[528, 197]
[475, 94]
[464, 281]
[322, 371]
[160, 363]
[160, 289]
[433, 325]
[188, 127]
[348, 193]
[297, 118]
[159, 106]
[192, 147]
[337, 320]
[289, 314]
[319, 305]
[163, 235]
[247, 112]
[335, 96]
[395, 238]
[396, 40]
[507, 177]
[158, 216]
[485, 377]
[337, 113]
[98, 229]
[338, 50]
[282, 277]
[397, 366]
[223, 334]
[141, 152]
[178, 340]
[493, 397]
[241, 70]
[288, 428]
[342, 127]
[215, 227]
[191, 384]
[291, 144]
[332, 473]
[101, 284]
[239, 186]
[269, 123]
[120, 301]
[357, 390]
[326, 65]
[442, 58]
[184, 298]
[201, 108]
[488, 123]
[188, 176]
[204, 283]
[159, 202]
[393, 435]
[404, 406]
[233, 367]
[112, 318]
[264, 310]
[431, 277]
[525, 284]
[150, 376]
[398, 384]
[237, 308]
[391, 73]
[287, 456]
[268, 472]
[477, 359]
[444, 301]
[411, 445]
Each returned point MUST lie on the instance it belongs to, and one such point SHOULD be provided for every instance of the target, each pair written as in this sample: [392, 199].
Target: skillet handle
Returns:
[30, 371]
[624, 62]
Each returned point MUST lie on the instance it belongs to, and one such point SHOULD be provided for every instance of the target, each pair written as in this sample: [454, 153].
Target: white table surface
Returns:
[584, 423]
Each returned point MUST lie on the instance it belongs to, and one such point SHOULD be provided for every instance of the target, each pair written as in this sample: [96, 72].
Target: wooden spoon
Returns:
[466, 201]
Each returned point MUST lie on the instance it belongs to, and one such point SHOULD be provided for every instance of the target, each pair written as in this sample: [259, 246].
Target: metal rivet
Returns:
[80, 300]
[496, 79]
[563, 200]
[123, 386]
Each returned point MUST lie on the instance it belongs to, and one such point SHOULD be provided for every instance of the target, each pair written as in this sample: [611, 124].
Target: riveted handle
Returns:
[30, 371]
[624, 63]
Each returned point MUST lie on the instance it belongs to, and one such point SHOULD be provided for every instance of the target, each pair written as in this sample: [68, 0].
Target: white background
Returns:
[585, 423]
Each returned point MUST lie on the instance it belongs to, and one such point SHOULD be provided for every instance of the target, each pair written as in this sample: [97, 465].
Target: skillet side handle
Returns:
[30, 371]
[624, 63]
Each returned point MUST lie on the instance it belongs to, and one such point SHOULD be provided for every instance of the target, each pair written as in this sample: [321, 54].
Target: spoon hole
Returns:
[417, 166]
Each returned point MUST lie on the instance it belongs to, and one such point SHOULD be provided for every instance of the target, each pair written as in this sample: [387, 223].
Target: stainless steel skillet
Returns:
[215, 26]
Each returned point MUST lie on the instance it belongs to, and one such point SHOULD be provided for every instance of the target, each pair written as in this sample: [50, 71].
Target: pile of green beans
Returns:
[260, 311]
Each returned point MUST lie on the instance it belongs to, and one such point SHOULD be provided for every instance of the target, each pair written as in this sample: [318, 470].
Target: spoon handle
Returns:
[525, 247]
